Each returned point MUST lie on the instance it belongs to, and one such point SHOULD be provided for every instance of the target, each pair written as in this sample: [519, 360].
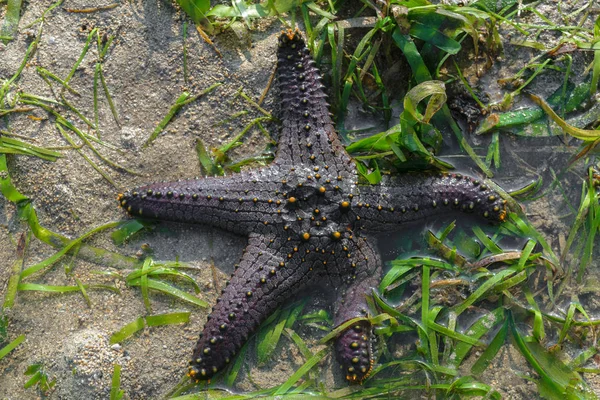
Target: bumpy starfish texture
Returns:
[308, 220]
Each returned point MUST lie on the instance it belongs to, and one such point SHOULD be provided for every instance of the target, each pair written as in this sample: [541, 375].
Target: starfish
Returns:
[308, 221]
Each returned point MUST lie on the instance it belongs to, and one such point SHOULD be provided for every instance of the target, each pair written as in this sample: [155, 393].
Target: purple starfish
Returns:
[308, 220]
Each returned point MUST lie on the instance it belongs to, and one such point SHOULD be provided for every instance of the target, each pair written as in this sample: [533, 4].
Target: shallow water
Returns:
[144, 73]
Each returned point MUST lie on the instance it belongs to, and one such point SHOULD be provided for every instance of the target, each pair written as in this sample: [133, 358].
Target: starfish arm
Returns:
[307, 135]
[412, 197]
[353, 347]
[264, 280]
[241, 203]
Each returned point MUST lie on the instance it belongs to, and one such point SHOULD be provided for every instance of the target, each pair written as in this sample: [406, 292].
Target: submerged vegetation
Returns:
[471, 299]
